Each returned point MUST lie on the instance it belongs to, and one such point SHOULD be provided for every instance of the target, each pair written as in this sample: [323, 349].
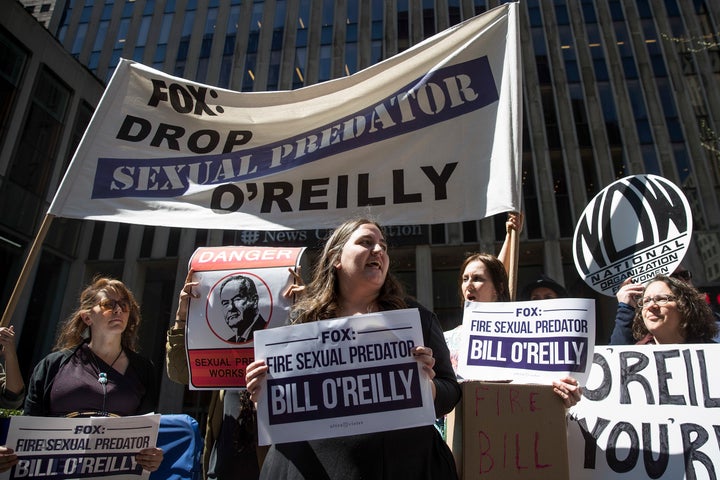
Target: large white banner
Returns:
[431, 135]
[648, 411]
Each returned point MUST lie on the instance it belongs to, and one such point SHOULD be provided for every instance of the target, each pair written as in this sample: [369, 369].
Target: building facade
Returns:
[611, 88]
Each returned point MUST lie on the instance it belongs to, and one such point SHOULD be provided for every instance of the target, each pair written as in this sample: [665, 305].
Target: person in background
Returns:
[95, 369]
[671, 311]
[12, 388]
[351, 278]
[627, 296]
[230, 444]
[484, 279]
[230, 450]
[543, 288]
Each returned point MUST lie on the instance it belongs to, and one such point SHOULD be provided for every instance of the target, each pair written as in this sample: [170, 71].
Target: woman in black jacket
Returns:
[95, 370]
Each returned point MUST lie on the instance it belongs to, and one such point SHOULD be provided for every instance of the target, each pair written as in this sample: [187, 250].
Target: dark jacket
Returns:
[37, 402]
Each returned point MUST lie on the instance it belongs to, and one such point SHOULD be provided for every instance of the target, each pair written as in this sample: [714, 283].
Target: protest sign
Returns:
[529, 342]
[639, 226]
[69, 448]
[240, 292]
[342, 377]
[502, 431]
[648, 411]
[430, 135]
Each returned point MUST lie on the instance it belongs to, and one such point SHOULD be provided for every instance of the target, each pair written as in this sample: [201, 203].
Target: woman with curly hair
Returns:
[95, 370]
[672, 311]
[351, 278]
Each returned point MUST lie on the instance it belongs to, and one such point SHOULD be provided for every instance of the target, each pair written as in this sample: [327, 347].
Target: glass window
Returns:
[79, 39]
[82, 120]
[211, 20]
[325, 61]
[122, 32]
[143, 33]
[588, 9]
[328, 11]
[33, 160]
[256, 19]
[232, 25]
[535, 16]
[188, 24]
[279, 14]
[149, 7]
[100, 38]
[12, 65]
[165, 27]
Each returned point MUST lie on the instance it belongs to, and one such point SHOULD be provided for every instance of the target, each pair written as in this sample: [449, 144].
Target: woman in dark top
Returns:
[351, 278]
[95, 370]
[672, 311]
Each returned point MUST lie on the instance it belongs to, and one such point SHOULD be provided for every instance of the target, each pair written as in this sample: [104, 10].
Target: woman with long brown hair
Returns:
[95, 369]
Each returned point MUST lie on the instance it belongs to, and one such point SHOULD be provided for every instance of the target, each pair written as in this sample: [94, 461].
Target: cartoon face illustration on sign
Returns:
[239, 303]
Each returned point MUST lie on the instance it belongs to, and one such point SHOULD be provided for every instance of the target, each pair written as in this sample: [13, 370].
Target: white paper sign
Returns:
[648, 411]
[342, 377]
[527, 342]
[96, 447]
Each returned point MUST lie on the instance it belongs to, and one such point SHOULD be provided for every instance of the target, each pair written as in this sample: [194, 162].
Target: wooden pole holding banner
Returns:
[512, 268]
[26, 269]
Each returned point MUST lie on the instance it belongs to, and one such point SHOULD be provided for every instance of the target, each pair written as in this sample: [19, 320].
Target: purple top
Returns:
[76, 387]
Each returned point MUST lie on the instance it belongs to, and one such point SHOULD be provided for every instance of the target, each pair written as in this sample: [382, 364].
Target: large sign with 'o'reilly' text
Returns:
[639, 226]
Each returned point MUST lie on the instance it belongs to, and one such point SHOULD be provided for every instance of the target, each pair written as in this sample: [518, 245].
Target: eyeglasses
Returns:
[684, 275]
[109, 304]
[660, 300]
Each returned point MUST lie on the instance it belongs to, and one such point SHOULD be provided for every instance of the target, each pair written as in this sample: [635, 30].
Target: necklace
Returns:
[102, 377]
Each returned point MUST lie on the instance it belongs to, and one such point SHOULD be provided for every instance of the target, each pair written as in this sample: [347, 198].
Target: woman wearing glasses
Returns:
[95, 370]
[672, 311]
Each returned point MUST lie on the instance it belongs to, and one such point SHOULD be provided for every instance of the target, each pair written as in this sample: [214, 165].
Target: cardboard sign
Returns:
[529, 342]
[342, 377]
[65, 448]
[648, 411]
[503, 431]
[638, 226]
[241, 292]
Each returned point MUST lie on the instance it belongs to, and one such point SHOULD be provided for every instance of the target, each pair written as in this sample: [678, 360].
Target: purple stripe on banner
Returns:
[440, 95]
[542, 353]
[76, 465]
[343, 394]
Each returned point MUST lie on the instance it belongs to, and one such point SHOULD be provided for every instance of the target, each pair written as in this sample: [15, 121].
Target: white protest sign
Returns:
[527, 342]
[648, 411]
[638, 226]
[241, 291]
[342, 377]
[95, 447]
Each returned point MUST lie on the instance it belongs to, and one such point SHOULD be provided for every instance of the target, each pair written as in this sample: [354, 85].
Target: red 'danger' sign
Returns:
[241, 292]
